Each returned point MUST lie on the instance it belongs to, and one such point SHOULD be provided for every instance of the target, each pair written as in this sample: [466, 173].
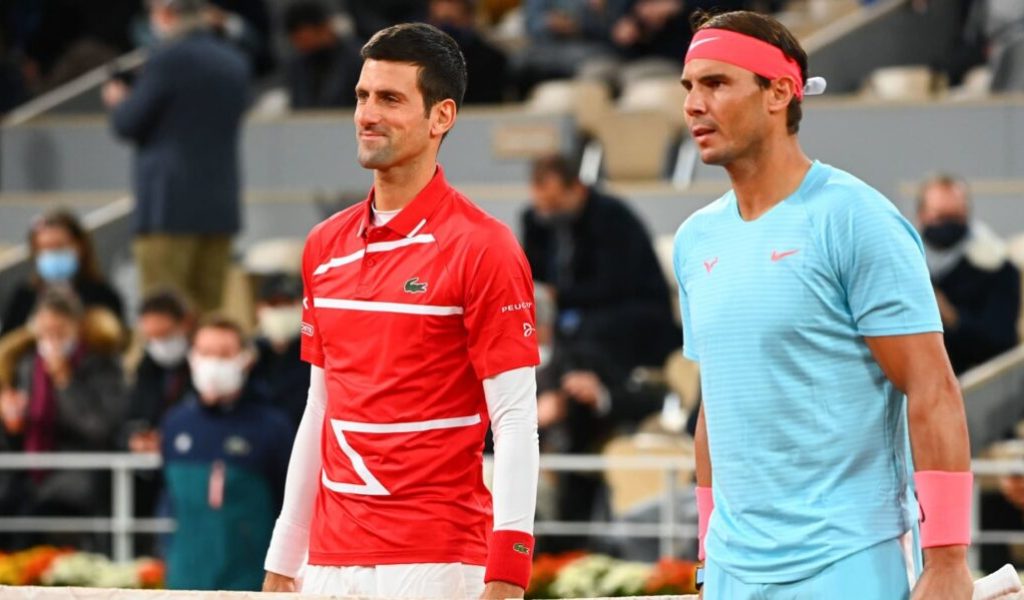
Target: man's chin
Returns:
[373, 161]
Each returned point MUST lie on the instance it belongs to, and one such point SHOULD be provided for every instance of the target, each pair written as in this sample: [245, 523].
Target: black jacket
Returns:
[612, 292]
[988, 304]
[157, 390]
[282, 378]
[184, 116]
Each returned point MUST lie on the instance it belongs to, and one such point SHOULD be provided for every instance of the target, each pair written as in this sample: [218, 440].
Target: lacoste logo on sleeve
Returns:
[413, 286]
[521, 548]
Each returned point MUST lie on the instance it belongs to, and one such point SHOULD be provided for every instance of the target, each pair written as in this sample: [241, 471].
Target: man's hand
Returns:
[1012, 487]
[114, 93]
[144, 441]
[499, 590]
[550, 409]
[584, 387]
[13, 404]
[945, 576]
[947, 312]
[278, 583]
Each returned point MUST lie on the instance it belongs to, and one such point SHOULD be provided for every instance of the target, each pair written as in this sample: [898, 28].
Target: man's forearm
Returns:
[702, 454]
[938, 426]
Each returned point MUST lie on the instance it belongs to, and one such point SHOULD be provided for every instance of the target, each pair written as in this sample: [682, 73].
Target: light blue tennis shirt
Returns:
[808, 439]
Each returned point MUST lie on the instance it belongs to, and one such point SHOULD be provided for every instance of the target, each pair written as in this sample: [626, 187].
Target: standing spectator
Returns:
[485, 64]
[598, 259]
[324, 68]
[62, 255]
[183, 116]
[563, 34]
[246, 24]
[977, 287]
[67, 395]
[279, 370]
[225, 456]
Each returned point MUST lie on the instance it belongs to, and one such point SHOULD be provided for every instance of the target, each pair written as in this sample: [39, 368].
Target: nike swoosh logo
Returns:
[703, 41]
[777, 256]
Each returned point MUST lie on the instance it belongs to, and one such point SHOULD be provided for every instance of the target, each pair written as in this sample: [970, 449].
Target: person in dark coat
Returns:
[977, 287]
[323, 70]
[599, 262]
[183, 115]
[279, 373]
[62, 256]
[486, 65]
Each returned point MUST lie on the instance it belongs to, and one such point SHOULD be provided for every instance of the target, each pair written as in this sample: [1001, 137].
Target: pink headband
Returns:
[751, 54]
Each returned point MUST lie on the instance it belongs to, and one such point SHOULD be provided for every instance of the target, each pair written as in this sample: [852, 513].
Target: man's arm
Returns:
[918, 366]
[135, 116]
[290, 542]
[512, 405]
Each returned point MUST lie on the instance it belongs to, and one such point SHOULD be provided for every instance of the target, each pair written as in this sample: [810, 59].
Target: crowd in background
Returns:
[221, 403]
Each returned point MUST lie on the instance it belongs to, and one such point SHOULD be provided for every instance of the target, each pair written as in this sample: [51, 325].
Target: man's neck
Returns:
[769, 176]
[396, 187]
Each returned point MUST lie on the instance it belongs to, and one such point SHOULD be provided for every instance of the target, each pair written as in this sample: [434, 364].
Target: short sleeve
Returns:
[678, 259]
[883, 271]
[499, 312]
[311, 347]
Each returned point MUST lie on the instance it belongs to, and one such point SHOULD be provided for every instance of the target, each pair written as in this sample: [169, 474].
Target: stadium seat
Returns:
[630, 489]
[911, 82]
[663, 93]
[637, 143]
[587, 101]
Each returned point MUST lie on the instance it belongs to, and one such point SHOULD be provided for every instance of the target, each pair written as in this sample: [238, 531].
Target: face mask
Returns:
[50, 348]
[280, 324]
[169, 351]
[217, 377]
[945, 234]
[57, 265]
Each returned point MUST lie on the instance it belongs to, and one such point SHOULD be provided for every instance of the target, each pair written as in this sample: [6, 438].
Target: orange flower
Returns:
[672, 576]
[151, 573]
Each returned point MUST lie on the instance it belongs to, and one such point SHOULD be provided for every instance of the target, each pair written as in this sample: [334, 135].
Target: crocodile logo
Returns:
[413, 286]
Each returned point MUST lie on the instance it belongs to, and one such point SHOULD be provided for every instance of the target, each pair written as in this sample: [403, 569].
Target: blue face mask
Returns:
[57, 265]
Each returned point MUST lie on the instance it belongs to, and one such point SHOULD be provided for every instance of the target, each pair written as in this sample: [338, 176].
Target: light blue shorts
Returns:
[885, 571]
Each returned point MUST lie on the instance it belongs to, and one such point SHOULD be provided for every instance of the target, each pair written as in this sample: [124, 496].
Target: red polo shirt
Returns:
[406, 320]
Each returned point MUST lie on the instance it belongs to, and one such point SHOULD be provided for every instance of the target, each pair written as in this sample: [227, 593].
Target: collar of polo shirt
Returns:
[411, 219]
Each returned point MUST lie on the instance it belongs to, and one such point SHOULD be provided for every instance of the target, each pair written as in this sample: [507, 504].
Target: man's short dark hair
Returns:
[305, 13]
[442, 68]
[554, 165]
[943, 179]
[768, 30]
[224, 323]
[62, 301]
[164, 302]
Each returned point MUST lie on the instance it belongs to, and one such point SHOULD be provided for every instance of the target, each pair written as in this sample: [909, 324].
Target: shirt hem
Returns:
[904, 330]
[395, 557]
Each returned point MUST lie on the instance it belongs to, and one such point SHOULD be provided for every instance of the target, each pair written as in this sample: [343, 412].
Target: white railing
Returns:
[122, 524]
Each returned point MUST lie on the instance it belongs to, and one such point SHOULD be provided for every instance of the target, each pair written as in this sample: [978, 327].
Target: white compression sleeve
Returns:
[290, 542]
[512, 405]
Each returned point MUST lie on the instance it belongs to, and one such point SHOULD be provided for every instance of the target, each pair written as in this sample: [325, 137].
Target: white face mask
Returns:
[216, 378]
[169, 351]
[49, 348]
[280, 324]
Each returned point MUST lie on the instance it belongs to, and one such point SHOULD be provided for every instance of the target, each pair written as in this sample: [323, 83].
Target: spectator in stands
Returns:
[62, 256]
[66, 394]
[650, 38]
[279, 372]
[373, 15]
[225, 456]
[183, 115]
[485, 64]
[324, 68]
[1001, 24]
[563, 35]
[162, 378]
[598, 260]
[977, 287]
[246, 24]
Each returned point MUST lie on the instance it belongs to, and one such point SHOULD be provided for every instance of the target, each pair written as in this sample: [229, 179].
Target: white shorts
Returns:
[434, 581]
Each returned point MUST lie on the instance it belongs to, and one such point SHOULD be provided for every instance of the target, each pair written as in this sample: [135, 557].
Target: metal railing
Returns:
[122, 524]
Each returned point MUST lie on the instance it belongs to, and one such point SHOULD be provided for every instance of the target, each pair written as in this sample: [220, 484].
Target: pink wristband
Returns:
[945, 501]
[705, 505]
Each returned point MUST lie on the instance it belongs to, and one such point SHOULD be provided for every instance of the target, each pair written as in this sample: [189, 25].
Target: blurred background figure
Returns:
[183, 117]
[486, 65]
[279, 373]
[562, 34]
[597, 258]
[225, 457]
[977, 287]
[324, 65]
[247, 25]
[61, 391]
[62, 256]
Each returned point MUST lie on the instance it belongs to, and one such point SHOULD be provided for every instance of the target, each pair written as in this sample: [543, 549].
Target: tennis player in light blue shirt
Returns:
[806, 300]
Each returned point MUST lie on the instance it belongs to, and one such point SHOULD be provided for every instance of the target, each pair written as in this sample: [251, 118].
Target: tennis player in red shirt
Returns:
[418, 324]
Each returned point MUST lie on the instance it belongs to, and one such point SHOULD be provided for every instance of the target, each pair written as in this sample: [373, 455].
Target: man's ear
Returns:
[442, 117]
[780, 93]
